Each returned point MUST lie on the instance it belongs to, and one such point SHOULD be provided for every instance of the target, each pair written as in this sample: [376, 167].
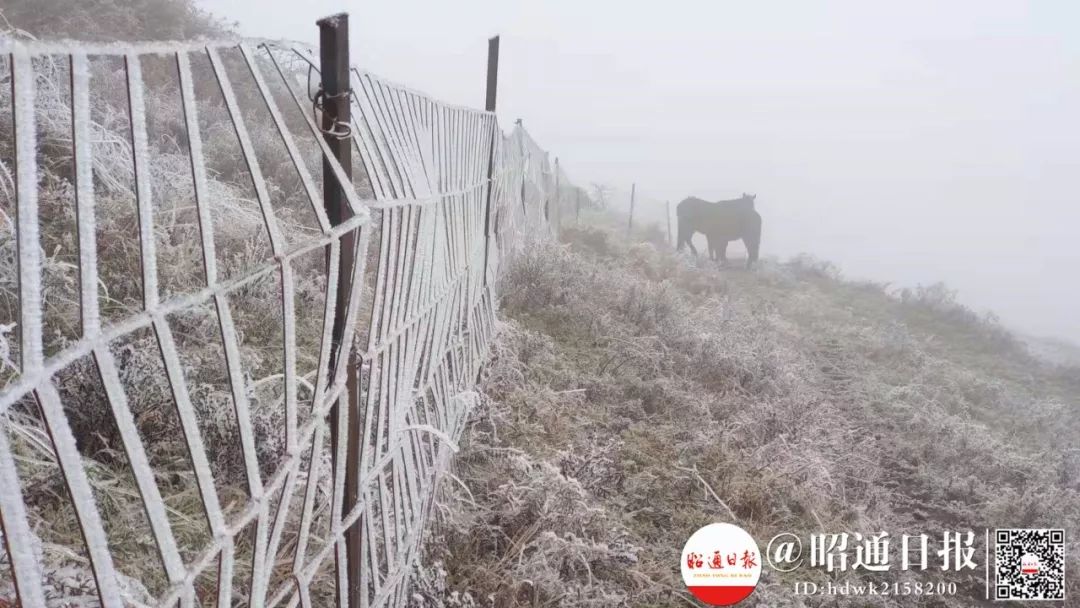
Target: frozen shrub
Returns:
[633, 398]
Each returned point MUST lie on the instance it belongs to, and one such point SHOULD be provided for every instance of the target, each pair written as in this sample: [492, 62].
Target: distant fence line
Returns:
[172, 260]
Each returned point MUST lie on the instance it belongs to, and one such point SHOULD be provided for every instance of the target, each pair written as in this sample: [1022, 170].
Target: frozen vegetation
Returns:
[242, 245]
[634, 397]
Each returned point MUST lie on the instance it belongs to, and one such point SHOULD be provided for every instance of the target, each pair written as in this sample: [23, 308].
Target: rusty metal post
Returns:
[336, 115]
[630, 226]
[489, 105]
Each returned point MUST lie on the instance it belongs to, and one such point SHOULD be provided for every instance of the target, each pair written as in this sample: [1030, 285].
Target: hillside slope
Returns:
[634, 397]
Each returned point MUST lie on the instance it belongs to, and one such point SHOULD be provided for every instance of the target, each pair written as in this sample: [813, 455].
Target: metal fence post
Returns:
[492, 73]
[489, 105]
[524, 169]
[558, 200]
[336, 114]
[667, 214]
[630, 226]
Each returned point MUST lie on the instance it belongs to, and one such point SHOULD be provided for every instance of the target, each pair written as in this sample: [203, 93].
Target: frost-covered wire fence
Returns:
[174, 430]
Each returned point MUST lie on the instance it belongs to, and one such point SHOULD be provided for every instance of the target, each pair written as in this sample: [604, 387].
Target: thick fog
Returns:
[919, 142]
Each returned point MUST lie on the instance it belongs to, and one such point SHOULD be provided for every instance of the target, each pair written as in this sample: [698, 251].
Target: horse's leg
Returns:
[721, 250]
[686, 237]
[751, 251]
[752, 240]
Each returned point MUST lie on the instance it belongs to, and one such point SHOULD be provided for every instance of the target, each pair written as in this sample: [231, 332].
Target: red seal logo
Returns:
[721, 564]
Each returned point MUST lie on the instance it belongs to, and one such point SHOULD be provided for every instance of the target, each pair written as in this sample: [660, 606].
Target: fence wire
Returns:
[175, 428]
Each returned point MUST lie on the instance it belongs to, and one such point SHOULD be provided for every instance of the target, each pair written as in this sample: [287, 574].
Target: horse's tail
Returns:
[752, 237]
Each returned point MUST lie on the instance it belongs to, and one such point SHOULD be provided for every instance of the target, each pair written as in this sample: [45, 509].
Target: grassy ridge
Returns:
[633, 398]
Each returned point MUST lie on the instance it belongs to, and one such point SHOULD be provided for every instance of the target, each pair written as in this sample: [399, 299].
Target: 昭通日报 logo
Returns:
[721, 564]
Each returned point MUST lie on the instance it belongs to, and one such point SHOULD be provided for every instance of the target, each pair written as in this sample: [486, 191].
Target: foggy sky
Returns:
[910, 142]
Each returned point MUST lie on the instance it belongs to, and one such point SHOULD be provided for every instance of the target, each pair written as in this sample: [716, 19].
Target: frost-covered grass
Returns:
[241, 245]
[635, 396]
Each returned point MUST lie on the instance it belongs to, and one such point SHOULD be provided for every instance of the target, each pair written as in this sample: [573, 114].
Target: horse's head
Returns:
[749, 197]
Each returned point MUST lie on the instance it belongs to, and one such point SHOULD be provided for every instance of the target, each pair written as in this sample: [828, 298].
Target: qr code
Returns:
[1029, 564]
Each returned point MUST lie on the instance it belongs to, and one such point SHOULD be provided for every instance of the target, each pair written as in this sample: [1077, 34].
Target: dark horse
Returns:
[720, 222]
